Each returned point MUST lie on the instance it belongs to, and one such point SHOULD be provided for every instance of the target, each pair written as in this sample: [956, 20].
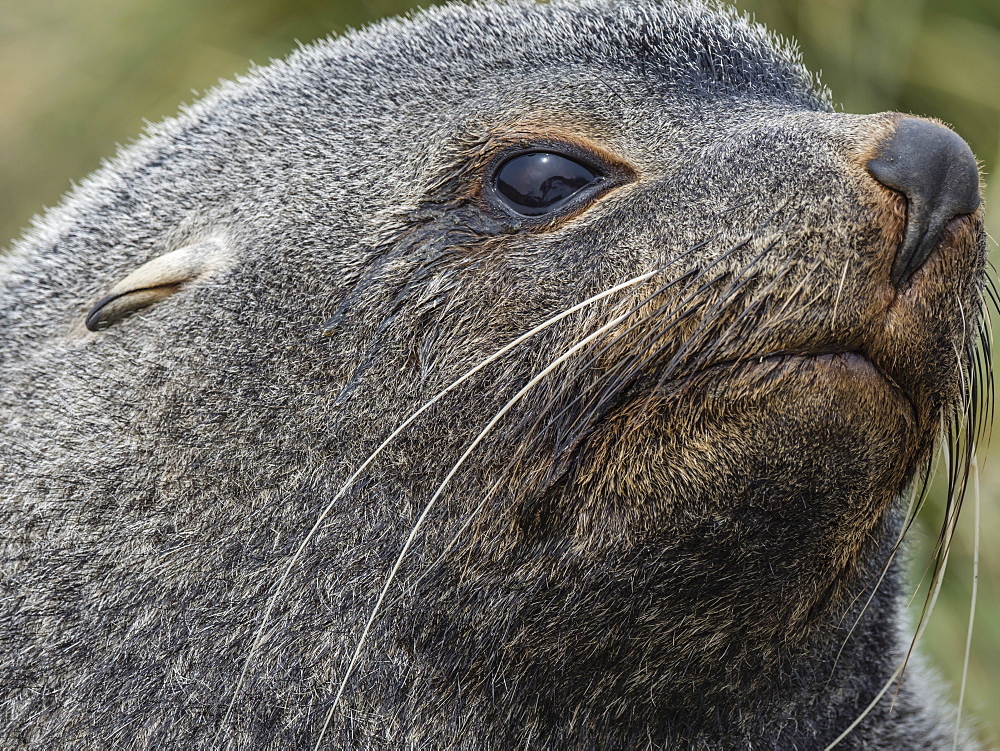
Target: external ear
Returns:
[156, 280]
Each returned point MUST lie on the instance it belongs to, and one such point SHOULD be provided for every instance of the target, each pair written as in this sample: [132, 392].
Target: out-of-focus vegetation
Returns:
[76, 77]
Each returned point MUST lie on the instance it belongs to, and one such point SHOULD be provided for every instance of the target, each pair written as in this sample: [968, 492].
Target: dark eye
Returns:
[535, 184]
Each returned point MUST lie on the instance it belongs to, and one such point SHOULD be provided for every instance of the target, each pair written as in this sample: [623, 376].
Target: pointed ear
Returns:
[156, 280]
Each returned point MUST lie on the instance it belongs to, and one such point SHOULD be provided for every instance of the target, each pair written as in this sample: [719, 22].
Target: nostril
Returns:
[937, 172]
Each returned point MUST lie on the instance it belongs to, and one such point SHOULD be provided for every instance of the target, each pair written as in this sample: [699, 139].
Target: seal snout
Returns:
[937, 172]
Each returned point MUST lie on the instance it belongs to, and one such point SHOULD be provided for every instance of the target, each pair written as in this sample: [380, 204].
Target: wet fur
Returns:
[665, 542]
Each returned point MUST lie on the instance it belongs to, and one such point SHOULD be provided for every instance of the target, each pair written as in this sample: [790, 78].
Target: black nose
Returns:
[937, 172]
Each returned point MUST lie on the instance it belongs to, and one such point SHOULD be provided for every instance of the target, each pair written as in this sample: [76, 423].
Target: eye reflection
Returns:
[535, 184]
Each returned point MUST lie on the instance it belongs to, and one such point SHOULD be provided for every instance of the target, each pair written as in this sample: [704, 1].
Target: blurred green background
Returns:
[78, 77]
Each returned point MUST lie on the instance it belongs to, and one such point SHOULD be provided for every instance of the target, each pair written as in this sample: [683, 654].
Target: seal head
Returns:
[518, 374]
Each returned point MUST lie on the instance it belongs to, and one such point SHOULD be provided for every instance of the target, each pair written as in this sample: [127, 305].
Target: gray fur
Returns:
[622, 588]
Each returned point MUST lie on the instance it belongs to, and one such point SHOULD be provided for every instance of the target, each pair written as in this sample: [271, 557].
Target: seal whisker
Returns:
[840, 291]
[741, 279]
[546, 415]
[959, 451]
[940, 561]
[674, 315]
[898, 673]
[972, 601]
[724, 336]
[786, 311]
[963, 431]
[984, 382]
[915, 493]
[608, 385]
[538, 377]
[727, 299]
[660, 312]
[713, 341]
[278, 589]
[990, 292]
[728, 296]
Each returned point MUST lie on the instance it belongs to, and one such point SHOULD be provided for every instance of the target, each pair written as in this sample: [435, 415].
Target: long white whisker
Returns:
[278, 589]
[899, 671]
[885, 570]
[972, 603]
[440, 489]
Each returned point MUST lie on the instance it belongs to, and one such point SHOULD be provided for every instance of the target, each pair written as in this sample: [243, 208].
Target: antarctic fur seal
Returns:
[515, 375]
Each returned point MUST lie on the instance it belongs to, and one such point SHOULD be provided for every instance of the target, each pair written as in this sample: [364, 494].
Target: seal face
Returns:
[547, 375]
